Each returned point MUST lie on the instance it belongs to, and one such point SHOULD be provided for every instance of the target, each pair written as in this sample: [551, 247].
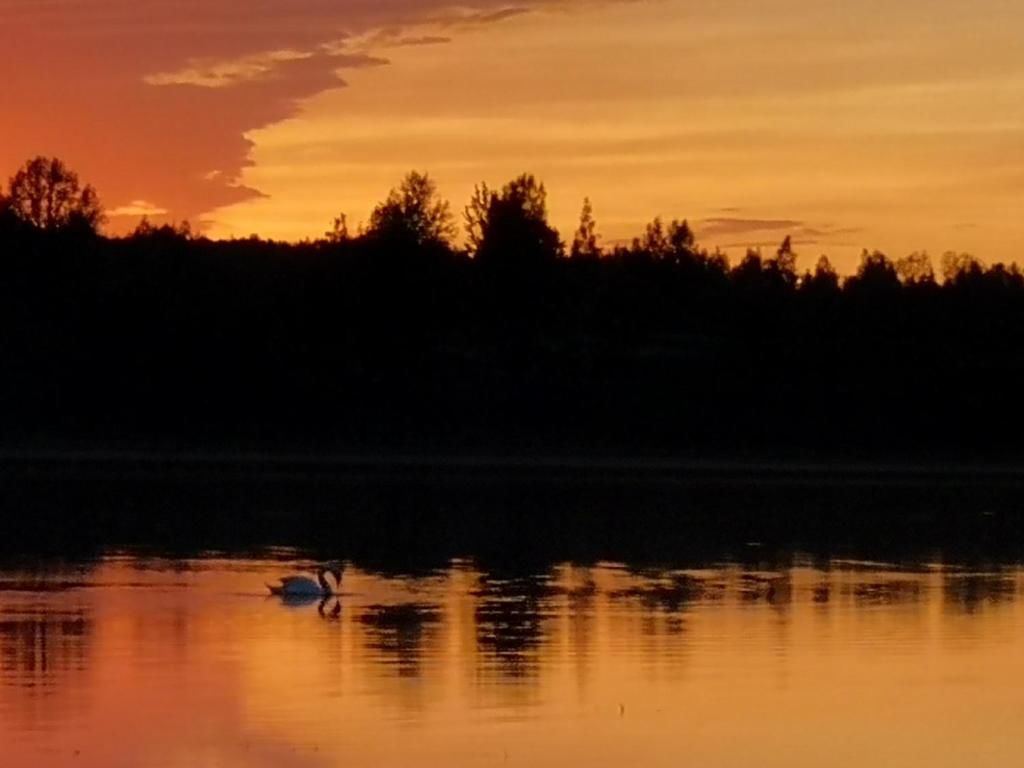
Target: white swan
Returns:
[303, 586]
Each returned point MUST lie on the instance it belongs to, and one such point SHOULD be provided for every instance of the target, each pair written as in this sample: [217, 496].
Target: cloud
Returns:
[138, 208]
[388, 37]
[223, 74]
[492, 17]
[735, 232]
[728, 226]
[162, 92]
[405, 42]
[284, 66]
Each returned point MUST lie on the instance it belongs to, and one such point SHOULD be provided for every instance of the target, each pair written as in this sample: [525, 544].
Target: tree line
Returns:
[397, 337]
[509, 224]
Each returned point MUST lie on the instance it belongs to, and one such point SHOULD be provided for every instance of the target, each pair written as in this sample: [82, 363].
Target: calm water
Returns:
[147, 661]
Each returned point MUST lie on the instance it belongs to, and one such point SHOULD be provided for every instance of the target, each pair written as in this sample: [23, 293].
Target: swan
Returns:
[303, 586]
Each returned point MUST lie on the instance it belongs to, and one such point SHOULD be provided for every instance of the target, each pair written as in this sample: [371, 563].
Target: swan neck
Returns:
[324, 584]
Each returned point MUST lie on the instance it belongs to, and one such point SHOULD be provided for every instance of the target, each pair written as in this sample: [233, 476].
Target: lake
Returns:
[679, 635]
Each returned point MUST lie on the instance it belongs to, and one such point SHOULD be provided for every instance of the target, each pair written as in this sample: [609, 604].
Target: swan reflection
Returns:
[329, 607]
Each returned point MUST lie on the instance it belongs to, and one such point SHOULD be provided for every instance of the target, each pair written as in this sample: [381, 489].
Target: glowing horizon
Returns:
[843, 127]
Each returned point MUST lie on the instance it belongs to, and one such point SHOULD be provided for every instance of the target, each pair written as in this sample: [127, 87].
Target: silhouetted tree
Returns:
[6, 213]
[413, 214]
[1008, 278]
[48, 195]
[515, 231]
[915, 269]
[718, 262]
[584, 243]
[475, 216]
[674, 243]
[785, 254]
[682, 242]
[957, 265]
[750, 269]
[8, 221]
[875, 273]
[654, 242]
[782, 268]
[146, 229]
[824, 279]
[338, 233]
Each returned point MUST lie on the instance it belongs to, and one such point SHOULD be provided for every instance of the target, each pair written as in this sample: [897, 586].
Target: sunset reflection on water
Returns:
[134, 661]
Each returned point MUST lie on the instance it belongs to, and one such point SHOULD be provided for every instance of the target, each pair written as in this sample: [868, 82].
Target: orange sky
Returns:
[845, 125]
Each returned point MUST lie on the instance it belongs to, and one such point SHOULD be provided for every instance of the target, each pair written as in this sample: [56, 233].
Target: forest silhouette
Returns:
[396, 338]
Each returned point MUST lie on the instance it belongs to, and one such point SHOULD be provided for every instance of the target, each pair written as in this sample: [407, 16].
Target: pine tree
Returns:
[584, 243]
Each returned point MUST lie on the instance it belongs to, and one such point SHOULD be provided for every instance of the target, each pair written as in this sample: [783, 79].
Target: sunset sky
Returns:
[897, 126]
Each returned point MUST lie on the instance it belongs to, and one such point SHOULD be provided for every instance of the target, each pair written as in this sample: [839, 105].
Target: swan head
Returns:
[335, 569]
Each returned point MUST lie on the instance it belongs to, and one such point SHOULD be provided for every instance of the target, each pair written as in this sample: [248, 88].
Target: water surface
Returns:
[133, 659]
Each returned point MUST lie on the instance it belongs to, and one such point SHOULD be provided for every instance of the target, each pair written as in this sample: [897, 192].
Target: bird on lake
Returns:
[303, 586]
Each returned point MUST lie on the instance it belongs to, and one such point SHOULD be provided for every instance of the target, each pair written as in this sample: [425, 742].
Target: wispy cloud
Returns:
[728, 226]
[138, 208]
[408, 42]
[223, 74]
[736, 232]
[492, 17]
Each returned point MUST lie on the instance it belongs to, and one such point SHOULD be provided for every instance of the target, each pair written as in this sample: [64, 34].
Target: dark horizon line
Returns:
[634, 467]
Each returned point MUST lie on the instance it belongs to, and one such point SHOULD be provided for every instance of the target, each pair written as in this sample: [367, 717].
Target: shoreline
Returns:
[684, 470]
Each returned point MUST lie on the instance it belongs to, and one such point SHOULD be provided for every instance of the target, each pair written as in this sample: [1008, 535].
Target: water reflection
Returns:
[595, 664]
[397, 634]
[512, 614]
[972, 592]
[46, 637]
[35, 650]
[41, 658]
[888, 592]
[672, 592]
